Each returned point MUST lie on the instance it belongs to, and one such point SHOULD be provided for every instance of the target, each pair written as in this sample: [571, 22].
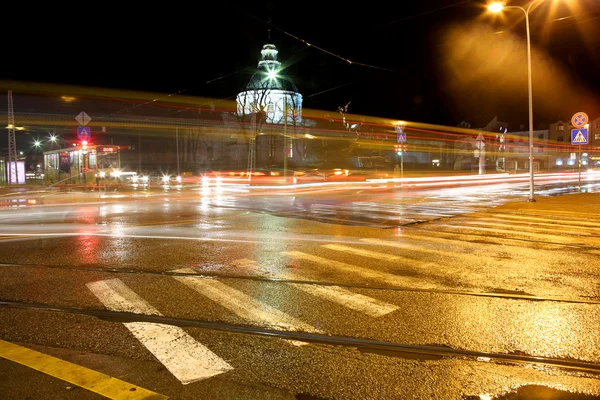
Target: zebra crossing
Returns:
[181, 354]
[567, 228]
[190, 360]
[400, 211]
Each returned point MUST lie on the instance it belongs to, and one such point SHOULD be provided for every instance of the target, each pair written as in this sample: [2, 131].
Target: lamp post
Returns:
[497, 7]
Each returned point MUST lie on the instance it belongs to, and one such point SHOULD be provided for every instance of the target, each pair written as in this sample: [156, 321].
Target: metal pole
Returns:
[530, 90]
[579, 169]
[13, 174]
[139, 153]
[531, 190]
[402, 169]
[177, 143]
[482, 158]
[285, 140]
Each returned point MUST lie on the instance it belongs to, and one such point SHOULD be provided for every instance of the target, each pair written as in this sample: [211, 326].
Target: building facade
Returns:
[565, 155]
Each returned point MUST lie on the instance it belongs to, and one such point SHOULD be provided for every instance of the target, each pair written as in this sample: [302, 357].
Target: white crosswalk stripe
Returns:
[240, 303]
[532, 227]
[521, 231]
[376, 255]
[573, 223]
[362, 272]
[344, 297]
[188, 360]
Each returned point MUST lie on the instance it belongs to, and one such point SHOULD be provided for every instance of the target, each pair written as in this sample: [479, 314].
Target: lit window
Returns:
[597, 136]
[561, 127]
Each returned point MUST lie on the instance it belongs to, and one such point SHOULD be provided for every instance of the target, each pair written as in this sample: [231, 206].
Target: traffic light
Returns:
[400, 149]
[84, 144]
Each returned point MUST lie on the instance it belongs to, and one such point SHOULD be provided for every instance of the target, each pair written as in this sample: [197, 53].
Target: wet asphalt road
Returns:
[422, 294]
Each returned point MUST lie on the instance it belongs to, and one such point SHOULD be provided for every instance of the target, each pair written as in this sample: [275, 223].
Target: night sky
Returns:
[435, 61]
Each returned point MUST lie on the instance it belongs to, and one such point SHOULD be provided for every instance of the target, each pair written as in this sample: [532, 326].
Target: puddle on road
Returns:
[534, 392]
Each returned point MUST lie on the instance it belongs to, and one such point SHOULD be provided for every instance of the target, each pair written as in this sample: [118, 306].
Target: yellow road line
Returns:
[86, 378]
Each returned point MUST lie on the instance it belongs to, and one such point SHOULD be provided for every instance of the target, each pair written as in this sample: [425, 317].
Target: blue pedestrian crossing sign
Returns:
[579, 136]
[401, 137]
[84, 132]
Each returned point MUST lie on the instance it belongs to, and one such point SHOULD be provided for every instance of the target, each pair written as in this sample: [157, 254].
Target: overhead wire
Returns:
[424, 13]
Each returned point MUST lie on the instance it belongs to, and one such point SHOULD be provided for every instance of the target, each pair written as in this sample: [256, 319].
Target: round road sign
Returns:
[579, 120]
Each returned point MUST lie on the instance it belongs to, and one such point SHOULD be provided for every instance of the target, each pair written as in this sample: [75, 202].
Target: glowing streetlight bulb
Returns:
[53, 138]
[272, 74]
[496, 7]
[37, 143]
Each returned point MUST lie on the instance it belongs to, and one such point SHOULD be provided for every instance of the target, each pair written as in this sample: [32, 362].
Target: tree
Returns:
[251, 115]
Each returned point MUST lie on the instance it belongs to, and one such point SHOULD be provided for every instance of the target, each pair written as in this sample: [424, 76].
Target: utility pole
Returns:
[579, 170]
[401, 148]
[12, 143]
[139, 153]
[177, 143]
[402, 166]
[285, 140]
[481, 146]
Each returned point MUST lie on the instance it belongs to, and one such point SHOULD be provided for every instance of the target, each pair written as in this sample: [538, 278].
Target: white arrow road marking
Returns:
[188, 360]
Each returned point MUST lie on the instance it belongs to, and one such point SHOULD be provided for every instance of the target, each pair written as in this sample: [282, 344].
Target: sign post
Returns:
[480, 145]
[401, 138]
[580, 136]
[84, 133]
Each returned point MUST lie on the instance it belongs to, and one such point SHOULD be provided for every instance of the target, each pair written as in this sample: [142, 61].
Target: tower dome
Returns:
[268, 91]
[267, 75]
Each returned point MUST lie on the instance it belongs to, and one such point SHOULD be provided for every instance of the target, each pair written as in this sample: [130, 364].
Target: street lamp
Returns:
[497, 7]
[272, 76]
[18, 128]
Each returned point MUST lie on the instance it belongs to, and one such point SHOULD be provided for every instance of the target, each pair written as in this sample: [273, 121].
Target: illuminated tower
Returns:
[270, 92]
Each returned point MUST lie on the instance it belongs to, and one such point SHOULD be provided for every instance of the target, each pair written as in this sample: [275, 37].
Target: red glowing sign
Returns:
[107, 149]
